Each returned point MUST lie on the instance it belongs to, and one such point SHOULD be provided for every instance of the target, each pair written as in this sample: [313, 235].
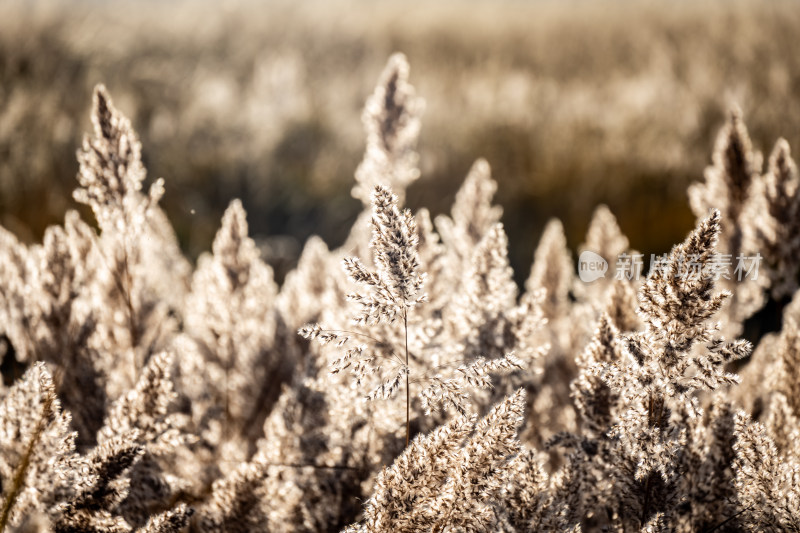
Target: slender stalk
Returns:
[728, 520]
[646, 504]
[408, 389]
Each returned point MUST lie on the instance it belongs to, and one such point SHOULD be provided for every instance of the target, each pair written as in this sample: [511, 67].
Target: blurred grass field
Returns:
[573, 104]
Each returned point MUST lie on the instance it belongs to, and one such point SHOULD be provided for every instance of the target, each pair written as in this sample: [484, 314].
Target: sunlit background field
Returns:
[572, 103]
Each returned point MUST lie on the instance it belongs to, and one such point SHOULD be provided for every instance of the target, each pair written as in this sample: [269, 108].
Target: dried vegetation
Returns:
[424, 391]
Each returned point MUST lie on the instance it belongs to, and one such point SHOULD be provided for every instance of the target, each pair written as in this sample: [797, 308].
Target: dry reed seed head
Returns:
[527, 323]
[676, 301]
[48, 315]
[489, 282]
[775, 232]
[453, 392]
[395, 286]
[733, 186]
[409, 487]
[649, 406]
[483, 315]
[124, 148]
[472, 217]
[473, 212]
[103, 484]
[710, 373]
[447, 479]
[131, 313]
[787, 378]
[622, 306]
[783, 170]
[310, 287]
[768, 484]
[71, 519]
[394, 245]
[478, 373]
[144, 409]
[441, 392]
[552, 270]
[710, 477]
[310, 331]
[604, 236]
[392, 122]
[593, 398]
[394, 89]
[436, 261]
[36, 446]
[727, 185]
[734, 159]
[780, 188]
[484, 462]
[525, 489]
[388, 387]
[235, 337]
[783, 424]
[51, 286]
[328, 431]
[111, 171]
[233, 248]
[103, 481]
[611, 293]
[235, 505]
[172, 521]
[603, 347]
[352, 355]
